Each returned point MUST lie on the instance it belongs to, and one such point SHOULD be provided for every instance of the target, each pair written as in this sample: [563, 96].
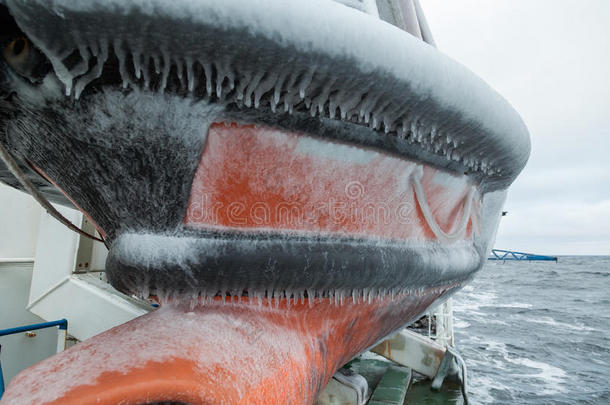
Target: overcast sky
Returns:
[551, 60]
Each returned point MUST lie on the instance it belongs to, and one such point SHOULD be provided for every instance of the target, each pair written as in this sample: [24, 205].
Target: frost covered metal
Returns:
[289, 56]
[148, 110]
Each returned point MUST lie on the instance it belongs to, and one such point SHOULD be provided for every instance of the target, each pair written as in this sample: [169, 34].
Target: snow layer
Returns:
[283, 267]
[319, 55]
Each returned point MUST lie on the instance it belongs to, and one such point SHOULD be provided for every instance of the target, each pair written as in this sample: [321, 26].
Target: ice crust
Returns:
[147, 47]
[233, 352]
[178, 329]
[126, 158]
[173, 266]
[317, 56]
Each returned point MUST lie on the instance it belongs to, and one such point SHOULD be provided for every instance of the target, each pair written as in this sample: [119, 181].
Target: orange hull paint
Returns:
[280, 181]
[231, 353]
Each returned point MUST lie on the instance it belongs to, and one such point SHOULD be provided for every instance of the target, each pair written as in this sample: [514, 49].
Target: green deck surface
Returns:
[392, 387]
[388, 382]
[420, 393]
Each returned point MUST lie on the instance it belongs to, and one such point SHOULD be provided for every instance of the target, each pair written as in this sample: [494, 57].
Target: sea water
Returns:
[537, 332]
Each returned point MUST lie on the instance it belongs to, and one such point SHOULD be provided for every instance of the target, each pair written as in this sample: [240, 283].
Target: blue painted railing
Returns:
[499, 254]
[1, 377]
[62, 324]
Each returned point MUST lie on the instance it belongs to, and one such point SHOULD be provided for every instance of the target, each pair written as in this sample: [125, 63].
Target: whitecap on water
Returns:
[551, 376]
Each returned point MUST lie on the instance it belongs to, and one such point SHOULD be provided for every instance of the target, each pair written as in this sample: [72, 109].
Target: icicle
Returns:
[231, 78]
[223, 71]
[62, 73]
[312, 110]
[386, 126]
[156, 63]
[310, 297]
[288, 96]
[259, 297]
[321, 99]
[83, 65]
[252, 85]
[121, 56]
[305, 82]
[146, 72]
[375, 123]
[220, 78]
[348, 99]
[101, 54]
[190, 75]
[277, 91]
[167, 65]
[264, 87]
[207, 69]
[145, 290]
[180, 72]
[307, 102]
[244, 80]
[136, 64]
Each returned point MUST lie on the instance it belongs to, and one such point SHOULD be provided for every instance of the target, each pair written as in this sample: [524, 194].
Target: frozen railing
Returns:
[442, 318]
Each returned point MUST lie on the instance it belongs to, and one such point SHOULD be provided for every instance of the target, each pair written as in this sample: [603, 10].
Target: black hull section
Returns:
[206, 265]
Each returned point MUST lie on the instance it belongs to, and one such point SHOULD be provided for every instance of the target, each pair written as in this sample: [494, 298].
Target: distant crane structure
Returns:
[499, 254]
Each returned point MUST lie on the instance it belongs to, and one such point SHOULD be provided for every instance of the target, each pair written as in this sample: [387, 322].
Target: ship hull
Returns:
[237, 352]
[289, 196]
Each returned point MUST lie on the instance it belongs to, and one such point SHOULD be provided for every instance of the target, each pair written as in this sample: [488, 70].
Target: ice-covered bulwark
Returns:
[289, 56]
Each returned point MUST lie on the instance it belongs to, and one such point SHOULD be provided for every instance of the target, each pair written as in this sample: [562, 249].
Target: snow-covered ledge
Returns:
[90, 305]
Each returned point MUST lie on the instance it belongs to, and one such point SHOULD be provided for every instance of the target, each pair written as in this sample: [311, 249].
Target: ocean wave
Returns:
[547, 320]
[553, 377]
[460, 324]
[521, 305]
